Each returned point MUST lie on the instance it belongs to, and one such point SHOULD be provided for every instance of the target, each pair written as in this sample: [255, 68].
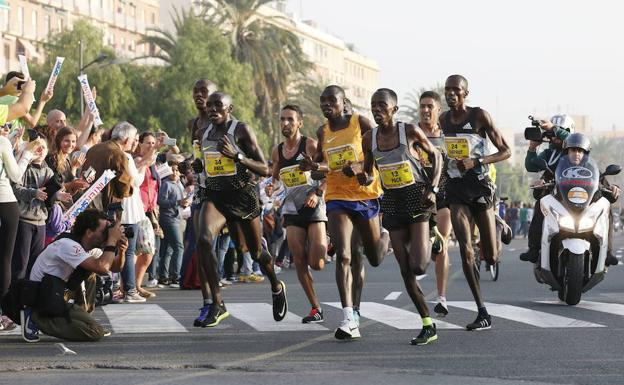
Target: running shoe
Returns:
[348, 330]
[440, 309]
[146, 293]
[437, 241]
[251, 278]
[6, 324]
[132, 296]
[225, 282]
[427, 334]
[481, 323]
[315, 317]
[280, 303]
[216, 314]
[29, 329]
[356, 316]
[151, 284]
[203, 313]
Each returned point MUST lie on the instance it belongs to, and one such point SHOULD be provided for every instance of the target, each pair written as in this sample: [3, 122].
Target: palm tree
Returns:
[409, 110]
[164, 40]
[274, 54]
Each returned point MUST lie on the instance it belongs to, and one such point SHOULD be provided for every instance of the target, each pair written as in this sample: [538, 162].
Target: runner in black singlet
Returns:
[469, 190]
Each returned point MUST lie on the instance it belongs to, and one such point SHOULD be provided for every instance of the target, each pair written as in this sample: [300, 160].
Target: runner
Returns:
[349, 205]
[429, 109]
[469, 190]
[409, 195]
[230, 150]
[201, 90]
[303, 207]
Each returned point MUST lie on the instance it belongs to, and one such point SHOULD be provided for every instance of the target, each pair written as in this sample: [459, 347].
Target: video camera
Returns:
[113, 208]
[536, 133]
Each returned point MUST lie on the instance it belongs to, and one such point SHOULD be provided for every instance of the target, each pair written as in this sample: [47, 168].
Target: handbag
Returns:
[146, 243]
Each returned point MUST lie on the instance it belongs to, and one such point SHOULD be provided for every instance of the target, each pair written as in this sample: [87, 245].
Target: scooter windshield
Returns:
[578, 183]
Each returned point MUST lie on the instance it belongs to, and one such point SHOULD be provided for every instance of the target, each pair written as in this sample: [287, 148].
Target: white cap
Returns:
[164, 170]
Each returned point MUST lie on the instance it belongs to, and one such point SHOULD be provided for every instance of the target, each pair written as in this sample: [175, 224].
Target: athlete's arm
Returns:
[315, 161]
[310, 149]
[275, 160]
[497, 139]
[248, 143]
[420, 140]
[365, 176]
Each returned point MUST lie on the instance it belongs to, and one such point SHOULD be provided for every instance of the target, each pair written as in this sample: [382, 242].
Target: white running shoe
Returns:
[152, 283]
[132, 296]
[348, 330]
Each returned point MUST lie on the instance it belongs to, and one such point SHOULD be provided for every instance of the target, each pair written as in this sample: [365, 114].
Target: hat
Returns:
[164, 170]
[175, 158]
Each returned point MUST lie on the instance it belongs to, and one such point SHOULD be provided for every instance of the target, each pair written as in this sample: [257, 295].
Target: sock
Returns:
[207, 301]
[427, 321]
[347, 313]
[483, 312]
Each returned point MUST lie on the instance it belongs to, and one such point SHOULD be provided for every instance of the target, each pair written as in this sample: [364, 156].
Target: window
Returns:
[33, 23]
[5, 19]
[59, 24]
[7, 52]
[132, 10]
[123, 43]
[153, 17]
[46, 24]
[20, 20]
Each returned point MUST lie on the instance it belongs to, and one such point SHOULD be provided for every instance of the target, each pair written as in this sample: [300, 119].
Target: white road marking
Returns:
[419, 277]
[527, 316]
[393, 316]
[512, 249]
[260, 317]
[392, 296]
[604, 307]
[135, 318]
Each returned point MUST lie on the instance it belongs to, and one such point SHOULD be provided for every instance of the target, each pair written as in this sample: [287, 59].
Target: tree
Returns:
[199, 50]
[409, 111]
[273, 53]
[114, 97]
[513, 182]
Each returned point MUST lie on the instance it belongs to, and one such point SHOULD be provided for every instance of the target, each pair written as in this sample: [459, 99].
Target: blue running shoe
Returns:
[203, 313]
[29, 329]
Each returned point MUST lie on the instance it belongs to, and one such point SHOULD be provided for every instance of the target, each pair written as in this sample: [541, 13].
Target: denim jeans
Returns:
[169, 267]
[127, 273]
[152, 270]
[221, 248]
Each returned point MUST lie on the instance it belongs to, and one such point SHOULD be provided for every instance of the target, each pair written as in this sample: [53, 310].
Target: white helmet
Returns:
[564, 121]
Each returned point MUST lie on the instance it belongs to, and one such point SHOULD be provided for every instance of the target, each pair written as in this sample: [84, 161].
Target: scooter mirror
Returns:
[612, 169]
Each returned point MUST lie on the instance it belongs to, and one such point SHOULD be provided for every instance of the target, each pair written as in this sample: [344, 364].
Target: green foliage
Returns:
[306, 96]
[274, 54]
[513, 182]
[114, 100]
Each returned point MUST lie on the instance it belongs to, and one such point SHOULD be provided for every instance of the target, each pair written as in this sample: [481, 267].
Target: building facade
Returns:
[24, 24]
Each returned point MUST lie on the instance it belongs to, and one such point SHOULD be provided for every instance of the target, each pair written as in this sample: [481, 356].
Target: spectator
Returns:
[65, 166]
[65, 260]
[513, 218]
[171, 199]
[27, 121]
[149, 195]
[33, 205]
[524, 220]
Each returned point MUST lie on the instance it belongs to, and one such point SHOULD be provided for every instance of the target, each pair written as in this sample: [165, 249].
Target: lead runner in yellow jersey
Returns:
[349, 205]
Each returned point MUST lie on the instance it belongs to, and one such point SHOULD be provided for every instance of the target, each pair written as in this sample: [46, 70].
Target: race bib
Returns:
[218, 165]
[337, 157]
[396, 175]
[457, 147]
[292, 176]
[424, 158]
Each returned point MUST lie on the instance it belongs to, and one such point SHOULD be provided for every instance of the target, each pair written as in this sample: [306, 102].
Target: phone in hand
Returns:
[169, 141]
[20, 84]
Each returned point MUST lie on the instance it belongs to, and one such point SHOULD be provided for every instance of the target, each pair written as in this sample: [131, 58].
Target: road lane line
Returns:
[527, 316]
[392, 296]
[138, 318]
[260, 317]
[393, 316]
[604, 307]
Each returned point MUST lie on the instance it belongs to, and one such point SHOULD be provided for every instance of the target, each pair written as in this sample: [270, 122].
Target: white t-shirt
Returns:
[10, 169]
[59, 259]
[133, 211]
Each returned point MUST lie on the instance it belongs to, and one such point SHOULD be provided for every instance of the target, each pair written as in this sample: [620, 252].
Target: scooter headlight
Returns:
[586, 223]
[565, 221]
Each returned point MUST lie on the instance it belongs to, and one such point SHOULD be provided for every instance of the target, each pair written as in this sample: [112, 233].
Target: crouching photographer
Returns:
[67, 262]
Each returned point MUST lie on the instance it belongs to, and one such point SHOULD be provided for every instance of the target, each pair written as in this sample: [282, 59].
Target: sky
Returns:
[520, 57]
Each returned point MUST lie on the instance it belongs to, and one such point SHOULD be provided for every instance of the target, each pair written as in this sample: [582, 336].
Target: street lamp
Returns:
[100, 58]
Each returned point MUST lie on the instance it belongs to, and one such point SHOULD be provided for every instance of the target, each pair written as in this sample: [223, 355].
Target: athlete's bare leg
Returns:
[375, 244]
[461, 218]
[341, 230]
[358, 270]
[486, 223]
[252, 232]
[316, 241]
[211, 221]
[414, 261]
[443, 217]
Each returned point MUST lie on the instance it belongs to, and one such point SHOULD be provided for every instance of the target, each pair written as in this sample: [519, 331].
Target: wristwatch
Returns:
[239, 157]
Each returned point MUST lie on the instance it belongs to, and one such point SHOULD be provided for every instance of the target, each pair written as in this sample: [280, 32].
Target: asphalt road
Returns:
[531, 341]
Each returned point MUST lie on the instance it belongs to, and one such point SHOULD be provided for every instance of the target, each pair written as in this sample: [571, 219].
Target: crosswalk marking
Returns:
[527, 316]
[419, 277]
[141, 319]
[392, 296]
[260, 317]
[604, 307]
[393, 316]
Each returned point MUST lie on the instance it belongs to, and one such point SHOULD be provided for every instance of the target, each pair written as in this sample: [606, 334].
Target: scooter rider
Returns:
[576, 147]
[561, 126]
